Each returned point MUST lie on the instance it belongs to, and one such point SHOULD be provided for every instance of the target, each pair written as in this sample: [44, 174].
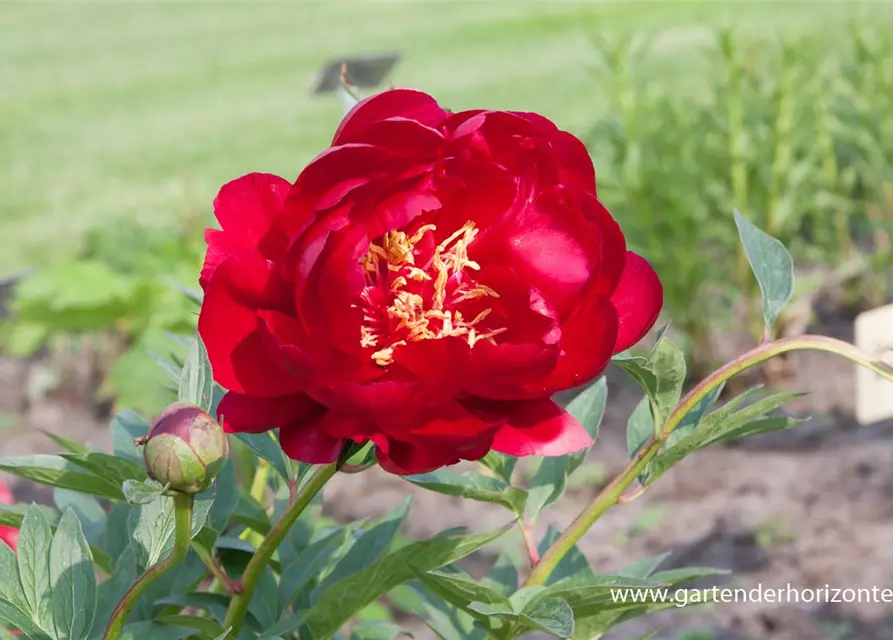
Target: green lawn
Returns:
[113, 111]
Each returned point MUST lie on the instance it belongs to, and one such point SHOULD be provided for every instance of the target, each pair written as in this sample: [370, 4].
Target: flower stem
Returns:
[238, 606]
[612, 494]
[532, 552]
[183, 503]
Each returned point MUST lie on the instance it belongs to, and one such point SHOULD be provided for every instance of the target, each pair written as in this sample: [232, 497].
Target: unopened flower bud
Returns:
[185, 448]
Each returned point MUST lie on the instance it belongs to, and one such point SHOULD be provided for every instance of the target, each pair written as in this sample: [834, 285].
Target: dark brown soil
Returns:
[807, 507]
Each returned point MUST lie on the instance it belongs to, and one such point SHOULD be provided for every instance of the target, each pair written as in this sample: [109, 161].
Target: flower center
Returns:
[404, 302]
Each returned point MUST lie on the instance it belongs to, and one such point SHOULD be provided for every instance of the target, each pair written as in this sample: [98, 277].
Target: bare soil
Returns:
[807, 508]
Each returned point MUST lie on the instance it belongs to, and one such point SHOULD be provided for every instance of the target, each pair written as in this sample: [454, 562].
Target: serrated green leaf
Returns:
[371, 545]
[348, 596]
[142, 492]
[772, 266]
[266, 448]
[501, 464]
[33, 561]
[55, 471]
[72, 580]
[196, 385]
[471, 485]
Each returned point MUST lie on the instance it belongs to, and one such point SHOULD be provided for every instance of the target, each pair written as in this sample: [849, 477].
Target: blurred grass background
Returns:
[119, 122]
[115, 112]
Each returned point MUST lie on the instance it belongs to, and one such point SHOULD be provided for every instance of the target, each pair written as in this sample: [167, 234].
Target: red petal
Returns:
[221, 245]
[249, 414]
[310, 443]
[564, 241]
[248, 205]
[401, 458]
[406, 103]
[541, 428]
[5, 494]
[10, 536]
[382, 401]
[638, 300]
[587, 343]
[576, 164]
[234, 334]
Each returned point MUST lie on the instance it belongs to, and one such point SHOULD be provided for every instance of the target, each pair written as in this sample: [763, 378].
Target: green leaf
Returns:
[225, 497]
[10, 588]
[370, 546]
[267, 448]
[151, 528]
[640, 427]
[264, 605]
[207, 627]
[661, 375]
[149, 629]
[33, 556]
[73, 580]
[645, 567]
[308, 565]
[547, 485]
[345, 598]
[88, 510]
[55, 471]
[771, 264]
[501, 464]
[139, 492]
[18, 619]
[550, 615]
[112, 468]
[214, 603]
[376, 630]
[471, 485]
[589, 410]
[728, 422]
[65, 443]
[462, 591]
[109, 592]
[126, 428]
[573, 565]
[196, 380]
[504, 573]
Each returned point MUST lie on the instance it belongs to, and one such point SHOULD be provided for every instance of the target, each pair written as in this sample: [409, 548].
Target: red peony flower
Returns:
[9, 535]
[427, 283]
